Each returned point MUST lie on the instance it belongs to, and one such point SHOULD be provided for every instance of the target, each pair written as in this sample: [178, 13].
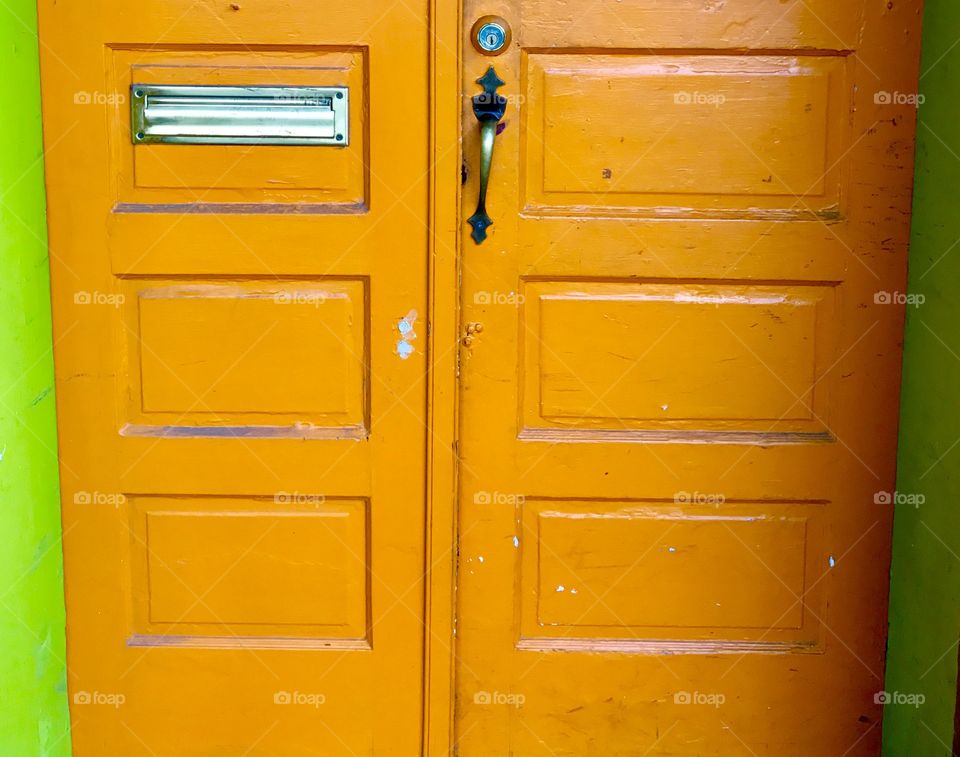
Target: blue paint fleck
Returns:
[407, 335]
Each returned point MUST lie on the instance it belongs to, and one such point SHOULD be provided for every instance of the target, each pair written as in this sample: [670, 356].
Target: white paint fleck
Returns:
[561, 587]
[4, 452]
[832, 561]
[573, 591]
[407, 335]
[664, 407]
[516, 541]
[671, 549]
[480, 558]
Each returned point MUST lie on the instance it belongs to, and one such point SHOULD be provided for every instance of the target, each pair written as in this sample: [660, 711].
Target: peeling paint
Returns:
[407, 334]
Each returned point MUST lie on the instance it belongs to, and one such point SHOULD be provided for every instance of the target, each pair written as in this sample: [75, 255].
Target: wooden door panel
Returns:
[603, 576]
[318, 181]
[244, 548]
[688, 24]
[698, 359]
[224, 377]
[639, 158]
[679, 390]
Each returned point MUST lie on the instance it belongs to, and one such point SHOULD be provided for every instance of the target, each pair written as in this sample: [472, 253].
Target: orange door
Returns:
[680, 377]
[240, 364]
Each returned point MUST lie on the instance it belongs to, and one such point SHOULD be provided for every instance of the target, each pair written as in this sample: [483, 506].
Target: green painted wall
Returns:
[33, 701]
[925, 584]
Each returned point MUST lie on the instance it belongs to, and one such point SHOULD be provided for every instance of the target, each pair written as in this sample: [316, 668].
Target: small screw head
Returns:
[140, 135]
[339, 137]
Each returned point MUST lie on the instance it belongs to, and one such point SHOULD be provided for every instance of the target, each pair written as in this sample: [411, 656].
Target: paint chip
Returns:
[516, 539]
[832, 561]
[561, 587]
[407, 335]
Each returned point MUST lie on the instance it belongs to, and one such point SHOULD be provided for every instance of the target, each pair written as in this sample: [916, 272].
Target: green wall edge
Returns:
[925, 577]
[34, 719]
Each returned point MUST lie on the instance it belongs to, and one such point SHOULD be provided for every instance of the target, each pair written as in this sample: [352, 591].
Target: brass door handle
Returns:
[489, 108]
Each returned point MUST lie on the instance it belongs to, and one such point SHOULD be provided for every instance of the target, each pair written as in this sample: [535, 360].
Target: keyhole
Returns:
[490, 35]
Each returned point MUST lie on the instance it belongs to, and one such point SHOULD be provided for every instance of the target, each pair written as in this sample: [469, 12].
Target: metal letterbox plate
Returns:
[240, 115]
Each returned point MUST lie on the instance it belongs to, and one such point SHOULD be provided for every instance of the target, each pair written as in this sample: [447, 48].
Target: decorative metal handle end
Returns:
[480, 222]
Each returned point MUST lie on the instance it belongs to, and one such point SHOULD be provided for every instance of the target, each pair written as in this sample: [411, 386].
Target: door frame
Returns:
[443, 319]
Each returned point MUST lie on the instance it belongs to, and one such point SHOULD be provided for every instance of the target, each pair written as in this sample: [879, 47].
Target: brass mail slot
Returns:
[240, 115]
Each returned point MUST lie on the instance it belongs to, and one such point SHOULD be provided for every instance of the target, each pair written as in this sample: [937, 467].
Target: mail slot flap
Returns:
[240, 115]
